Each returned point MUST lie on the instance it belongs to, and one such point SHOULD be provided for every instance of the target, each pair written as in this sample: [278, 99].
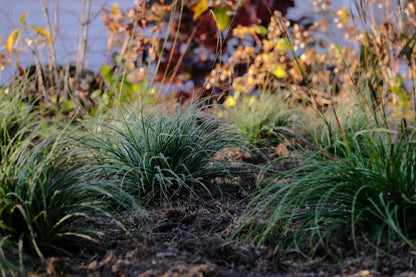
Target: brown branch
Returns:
[178, 64]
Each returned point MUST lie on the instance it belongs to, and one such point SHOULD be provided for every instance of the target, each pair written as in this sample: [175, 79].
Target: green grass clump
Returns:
[41, 197]
[157, 155]
[257, 115]
[361, 185]
[45, 196]
[355, 186]
[17, 116]
[46, 201]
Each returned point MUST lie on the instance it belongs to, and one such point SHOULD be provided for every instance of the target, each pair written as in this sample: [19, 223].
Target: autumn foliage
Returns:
[196, 39]
[233, 48]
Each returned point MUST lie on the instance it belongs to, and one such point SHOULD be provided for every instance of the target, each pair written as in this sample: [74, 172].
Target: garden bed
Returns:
[214, 145]
[190, 239]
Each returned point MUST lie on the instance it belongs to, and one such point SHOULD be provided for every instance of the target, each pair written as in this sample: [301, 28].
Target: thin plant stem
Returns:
[82, 43]
[53, 66]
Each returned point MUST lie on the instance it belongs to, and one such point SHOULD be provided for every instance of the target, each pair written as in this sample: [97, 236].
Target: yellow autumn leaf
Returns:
[10, 40]
[283, 44]
[280, 72]
[237, 86]
[230, 102]
[115, 10]
[243, 30]
[250, 80]
[249, 101]
[43, 32]
[344, 17]
[199, 8]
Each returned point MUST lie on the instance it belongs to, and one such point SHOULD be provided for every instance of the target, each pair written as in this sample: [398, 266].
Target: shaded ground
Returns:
[188, 241]
[188, 238]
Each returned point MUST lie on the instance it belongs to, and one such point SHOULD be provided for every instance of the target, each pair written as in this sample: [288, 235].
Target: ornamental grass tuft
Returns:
[355, 184]
[17, 115]
[257, 115]
[157, 154]
[45, 196]
[360, 185]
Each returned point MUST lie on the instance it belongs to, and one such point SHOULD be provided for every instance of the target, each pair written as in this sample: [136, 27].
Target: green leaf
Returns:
[68, 105]
[23, 18]
[118, 59]
[95, 94]
[261, 30]
[105, 99]
[222, 18]
[106, 71]
[283, 44]
[402, 95]
[136, 88]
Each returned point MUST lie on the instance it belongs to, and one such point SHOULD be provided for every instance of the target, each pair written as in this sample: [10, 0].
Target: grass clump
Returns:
[17, 116]
[353, 187]
[360, 188]
[257, 115]
[41, 197]
[157, 154]
[45, 195]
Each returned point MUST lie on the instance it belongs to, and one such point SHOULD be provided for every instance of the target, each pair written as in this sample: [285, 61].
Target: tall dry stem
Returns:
[53, 66]
[82, 43]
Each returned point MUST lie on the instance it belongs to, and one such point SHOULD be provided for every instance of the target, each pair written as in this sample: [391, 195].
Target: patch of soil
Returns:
[189, 237]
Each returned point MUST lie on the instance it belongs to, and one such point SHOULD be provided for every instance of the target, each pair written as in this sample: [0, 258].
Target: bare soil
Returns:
[190, 237]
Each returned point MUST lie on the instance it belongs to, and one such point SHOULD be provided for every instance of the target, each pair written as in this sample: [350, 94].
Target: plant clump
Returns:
[44, 192]
[156, 154]
[361, 184]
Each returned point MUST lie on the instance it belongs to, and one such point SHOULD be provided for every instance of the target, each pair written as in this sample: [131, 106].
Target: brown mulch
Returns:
[191, 238]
